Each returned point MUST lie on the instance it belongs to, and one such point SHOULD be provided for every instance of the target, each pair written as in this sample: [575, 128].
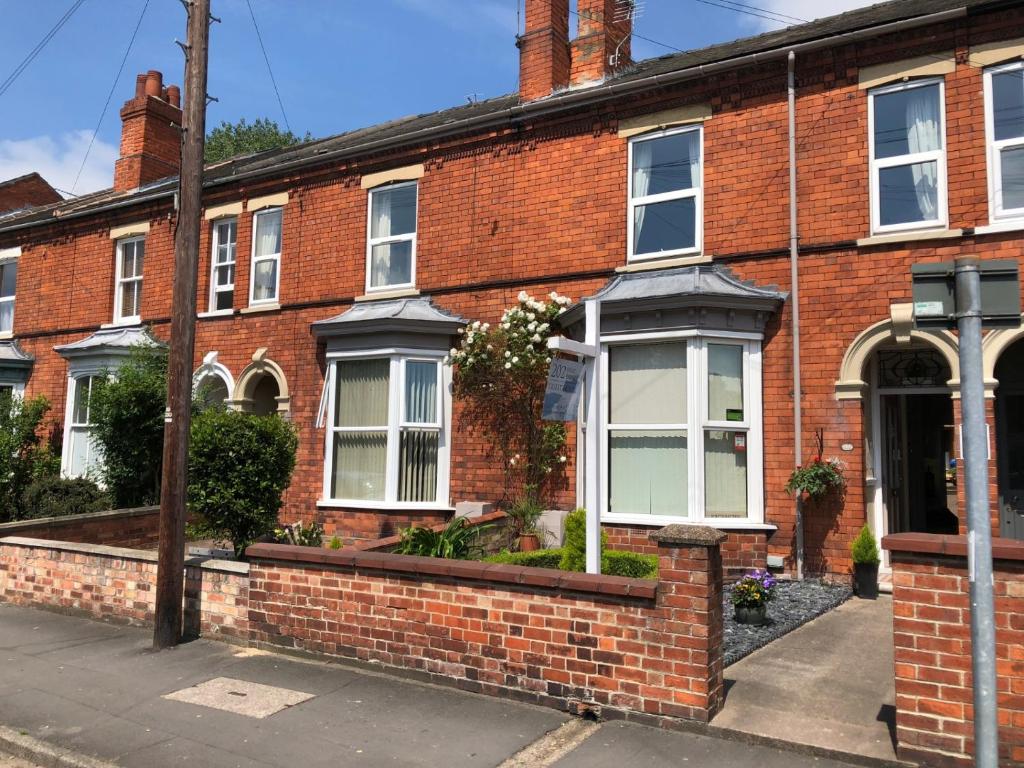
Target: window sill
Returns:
[910, 236]
[6, 335]
[678, 261]
[660, 522]
[1010, 225]
[382, 506]
[216, 313]
[398, 293]
[254, 308]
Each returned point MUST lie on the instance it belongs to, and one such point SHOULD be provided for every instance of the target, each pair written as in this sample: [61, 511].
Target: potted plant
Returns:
[864, 551]
[524, 514]
[751, 595]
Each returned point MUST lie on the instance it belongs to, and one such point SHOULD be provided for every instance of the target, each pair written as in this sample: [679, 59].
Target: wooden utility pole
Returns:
[171, 566]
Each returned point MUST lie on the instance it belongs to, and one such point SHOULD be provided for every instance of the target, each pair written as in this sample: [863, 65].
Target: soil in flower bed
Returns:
[795, 604]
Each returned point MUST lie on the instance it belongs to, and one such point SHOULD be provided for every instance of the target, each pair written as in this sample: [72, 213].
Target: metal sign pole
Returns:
[593, 437]
[979, 526]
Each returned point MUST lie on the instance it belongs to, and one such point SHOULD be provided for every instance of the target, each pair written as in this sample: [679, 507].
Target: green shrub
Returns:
[864, 549]
[300, 535]
[630, 564]
[127, 410]
[239, 466]
[335, 543]
[60, 496]
[541, 558]
[456, 541]
[23, 456]
[574, 552]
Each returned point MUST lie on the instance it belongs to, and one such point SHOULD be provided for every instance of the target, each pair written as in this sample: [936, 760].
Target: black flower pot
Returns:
[755, 615]
[865, 580]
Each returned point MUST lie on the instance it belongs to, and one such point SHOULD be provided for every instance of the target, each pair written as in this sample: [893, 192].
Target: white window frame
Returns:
[214, 264]
[997, 213]
[938, 156]
[17, 387]
[253, 302]
[74, 381]
[695, 192]
[696, 423]
[408, 237]
[119, 317]
[396, 423]
[4, 261]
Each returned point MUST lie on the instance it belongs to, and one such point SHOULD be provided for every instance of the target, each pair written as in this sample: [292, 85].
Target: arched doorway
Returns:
[262, 388]
[1009, 372]
[265, 392]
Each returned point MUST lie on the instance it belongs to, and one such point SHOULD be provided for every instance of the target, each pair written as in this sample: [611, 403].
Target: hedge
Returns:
[613, 562]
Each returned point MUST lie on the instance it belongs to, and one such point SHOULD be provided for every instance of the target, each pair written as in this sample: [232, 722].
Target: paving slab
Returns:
[828, 684]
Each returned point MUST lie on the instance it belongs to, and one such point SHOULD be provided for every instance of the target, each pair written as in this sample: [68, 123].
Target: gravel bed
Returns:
[795, 604]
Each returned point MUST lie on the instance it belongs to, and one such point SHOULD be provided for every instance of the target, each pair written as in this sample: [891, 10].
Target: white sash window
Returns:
[128, 280]
[222, 274]
[391, 244]
[265, 279]
[1004, 119]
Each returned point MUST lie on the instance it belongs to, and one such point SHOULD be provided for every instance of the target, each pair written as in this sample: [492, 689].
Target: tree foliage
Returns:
[239, 466]
[127, 409]
[24, 456]
[230, 140]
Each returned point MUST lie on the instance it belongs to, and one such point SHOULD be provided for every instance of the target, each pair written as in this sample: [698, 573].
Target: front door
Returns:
[1010, 451]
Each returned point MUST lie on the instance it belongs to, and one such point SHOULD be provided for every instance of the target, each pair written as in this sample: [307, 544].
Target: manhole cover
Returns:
[240, 697]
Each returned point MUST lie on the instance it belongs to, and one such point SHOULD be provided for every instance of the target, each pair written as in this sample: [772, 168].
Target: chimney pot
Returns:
[174, 96]
[154, 83]
[150, 133]
[140, 86]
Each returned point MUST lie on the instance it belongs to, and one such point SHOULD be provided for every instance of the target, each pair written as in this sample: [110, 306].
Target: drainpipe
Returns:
[795, 307]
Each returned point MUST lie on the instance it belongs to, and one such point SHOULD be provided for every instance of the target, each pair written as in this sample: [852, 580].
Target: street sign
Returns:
[562, 396]
[934, 295]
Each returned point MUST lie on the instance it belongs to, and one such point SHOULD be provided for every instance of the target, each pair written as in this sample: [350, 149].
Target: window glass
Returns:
[907, 121]
[268, 234]
[360, 465]
[362, 393]
[648, 472]
[666, 226]
[647, 383]
[83, 394]
[224, 256]
[417, 465]
[725, 473]
[265, 280]
[8, 278]
[1008, 104]
[420, 392]
[393, 211]
[725, 382]
[666, 164]
[391, 264]
[1012, 160]
[83, 455]
[908, 193]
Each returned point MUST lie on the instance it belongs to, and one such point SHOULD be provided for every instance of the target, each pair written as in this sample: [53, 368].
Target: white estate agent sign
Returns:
[562, 396]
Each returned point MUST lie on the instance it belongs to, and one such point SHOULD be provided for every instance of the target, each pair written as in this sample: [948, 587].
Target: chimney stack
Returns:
[544, 49]
[150, 133]
[602, 42]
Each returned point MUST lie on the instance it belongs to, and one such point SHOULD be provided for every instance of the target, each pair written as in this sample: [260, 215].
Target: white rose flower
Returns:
[524, 296]
[508, 365]
[515, 359]
[536, 338]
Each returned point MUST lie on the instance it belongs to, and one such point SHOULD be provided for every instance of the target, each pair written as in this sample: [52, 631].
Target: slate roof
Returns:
[415, 128]
[109, 341]
[13, 356]
[416, 315]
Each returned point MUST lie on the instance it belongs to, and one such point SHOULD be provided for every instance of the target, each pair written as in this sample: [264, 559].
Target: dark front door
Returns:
[1010, 440]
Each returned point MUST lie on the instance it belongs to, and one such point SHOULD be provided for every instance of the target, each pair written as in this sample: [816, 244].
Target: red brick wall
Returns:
[135, 528]
[26, 191]
[931, 622]
[628, 646]
[741, 551]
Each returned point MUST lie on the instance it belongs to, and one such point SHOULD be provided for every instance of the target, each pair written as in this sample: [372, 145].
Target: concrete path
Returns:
[828, 684]
[98, 690]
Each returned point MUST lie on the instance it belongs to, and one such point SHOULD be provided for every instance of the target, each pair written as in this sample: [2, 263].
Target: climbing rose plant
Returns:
[501, 373]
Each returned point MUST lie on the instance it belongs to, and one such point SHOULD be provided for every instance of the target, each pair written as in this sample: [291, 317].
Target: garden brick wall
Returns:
[117, 584]
[931, 622]
[631, 647]
[137, 528]
[741, 551]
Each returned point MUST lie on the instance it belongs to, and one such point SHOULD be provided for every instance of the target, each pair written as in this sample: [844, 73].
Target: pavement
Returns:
[828, 684]
[94, 694]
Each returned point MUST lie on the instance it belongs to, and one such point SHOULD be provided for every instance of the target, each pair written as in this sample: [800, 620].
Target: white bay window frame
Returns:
[410, 237]
[697, 193]
[938, 156]
[997, 211]
[81, 377]
[274, 257]
[697, 423]
[120, 318]
[396, 424]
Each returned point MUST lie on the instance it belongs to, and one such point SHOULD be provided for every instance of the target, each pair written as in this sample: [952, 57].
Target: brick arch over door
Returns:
[254, 379]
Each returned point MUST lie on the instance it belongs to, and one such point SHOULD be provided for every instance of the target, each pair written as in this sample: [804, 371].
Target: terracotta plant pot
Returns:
[529, 542]
[865, 580]
[751, 614]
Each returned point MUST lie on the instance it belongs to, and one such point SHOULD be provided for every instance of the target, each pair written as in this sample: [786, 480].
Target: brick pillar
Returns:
[544, 49]
[690, 595]
[604, 31]
[150, 133]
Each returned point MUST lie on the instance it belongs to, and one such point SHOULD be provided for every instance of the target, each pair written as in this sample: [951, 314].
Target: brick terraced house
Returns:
[334, 275]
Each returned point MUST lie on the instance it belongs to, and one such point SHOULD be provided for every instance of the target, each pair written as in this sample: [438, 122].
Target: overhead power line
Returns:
[11, 78]
[110, 95]
[270, 69]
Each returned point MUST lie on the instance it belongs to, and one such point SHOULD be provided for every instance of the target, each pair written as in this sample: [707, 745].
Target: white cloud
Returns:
[793, 10]
[58, 158]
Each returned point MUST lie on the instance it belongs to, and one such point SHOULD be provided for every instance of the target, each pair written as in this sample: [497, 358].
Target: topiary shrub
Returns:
[239, 467]
[864, 549]
[630, 564]
[574, 552]
[62, 496]
[540, 558]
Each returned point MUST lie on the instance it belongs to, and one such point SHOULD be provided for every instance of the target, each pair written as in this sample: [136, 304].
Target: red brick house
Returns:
[662, 188]
[25, 192]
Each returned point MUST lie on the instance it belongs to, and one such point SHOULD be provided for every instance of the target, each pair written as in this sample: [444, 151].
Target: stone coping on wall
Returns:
[17, 525]
[411, 565]
[122, 553]
[949, 545]
[386, 543]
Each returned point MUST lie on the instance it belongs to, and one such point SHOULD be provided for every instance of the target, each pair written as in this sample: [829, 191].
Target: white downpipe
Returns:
[794, 281]
[592, 436]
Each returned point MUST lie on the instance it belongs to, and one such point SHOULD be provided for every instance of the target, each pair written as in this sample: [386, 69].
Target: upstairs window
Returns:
[222, 278]
[1004, 102]
[665, 197]
[908, 159]
[8, 279]
[266, 257]
[128, 282]
[391, 245]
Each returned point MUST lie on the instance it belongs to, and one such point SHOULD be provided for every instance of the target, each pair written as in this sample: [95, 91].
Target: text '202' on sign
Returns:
[562, 395]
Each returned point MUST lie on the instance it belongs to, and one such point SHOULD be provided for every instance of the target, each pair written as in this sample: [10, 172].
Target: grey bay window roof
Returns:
[414, 322]
[705, 296]
[109, 342]
[15, 363]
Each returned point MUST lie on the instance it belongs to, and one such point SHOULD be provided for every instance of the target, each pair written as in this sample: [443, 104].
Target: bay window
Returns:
[265, 278]
[8, 281]
[391, 244]
[1004, 118]
[222, 276]
[665, 197]
[386, 443]
[683, 424]
[128, 280]
[82, 457]
[908, 158]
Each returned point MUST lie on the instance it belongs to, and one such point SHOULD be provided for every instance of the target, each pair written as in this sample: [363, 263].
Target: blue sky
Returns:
[339, 64]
